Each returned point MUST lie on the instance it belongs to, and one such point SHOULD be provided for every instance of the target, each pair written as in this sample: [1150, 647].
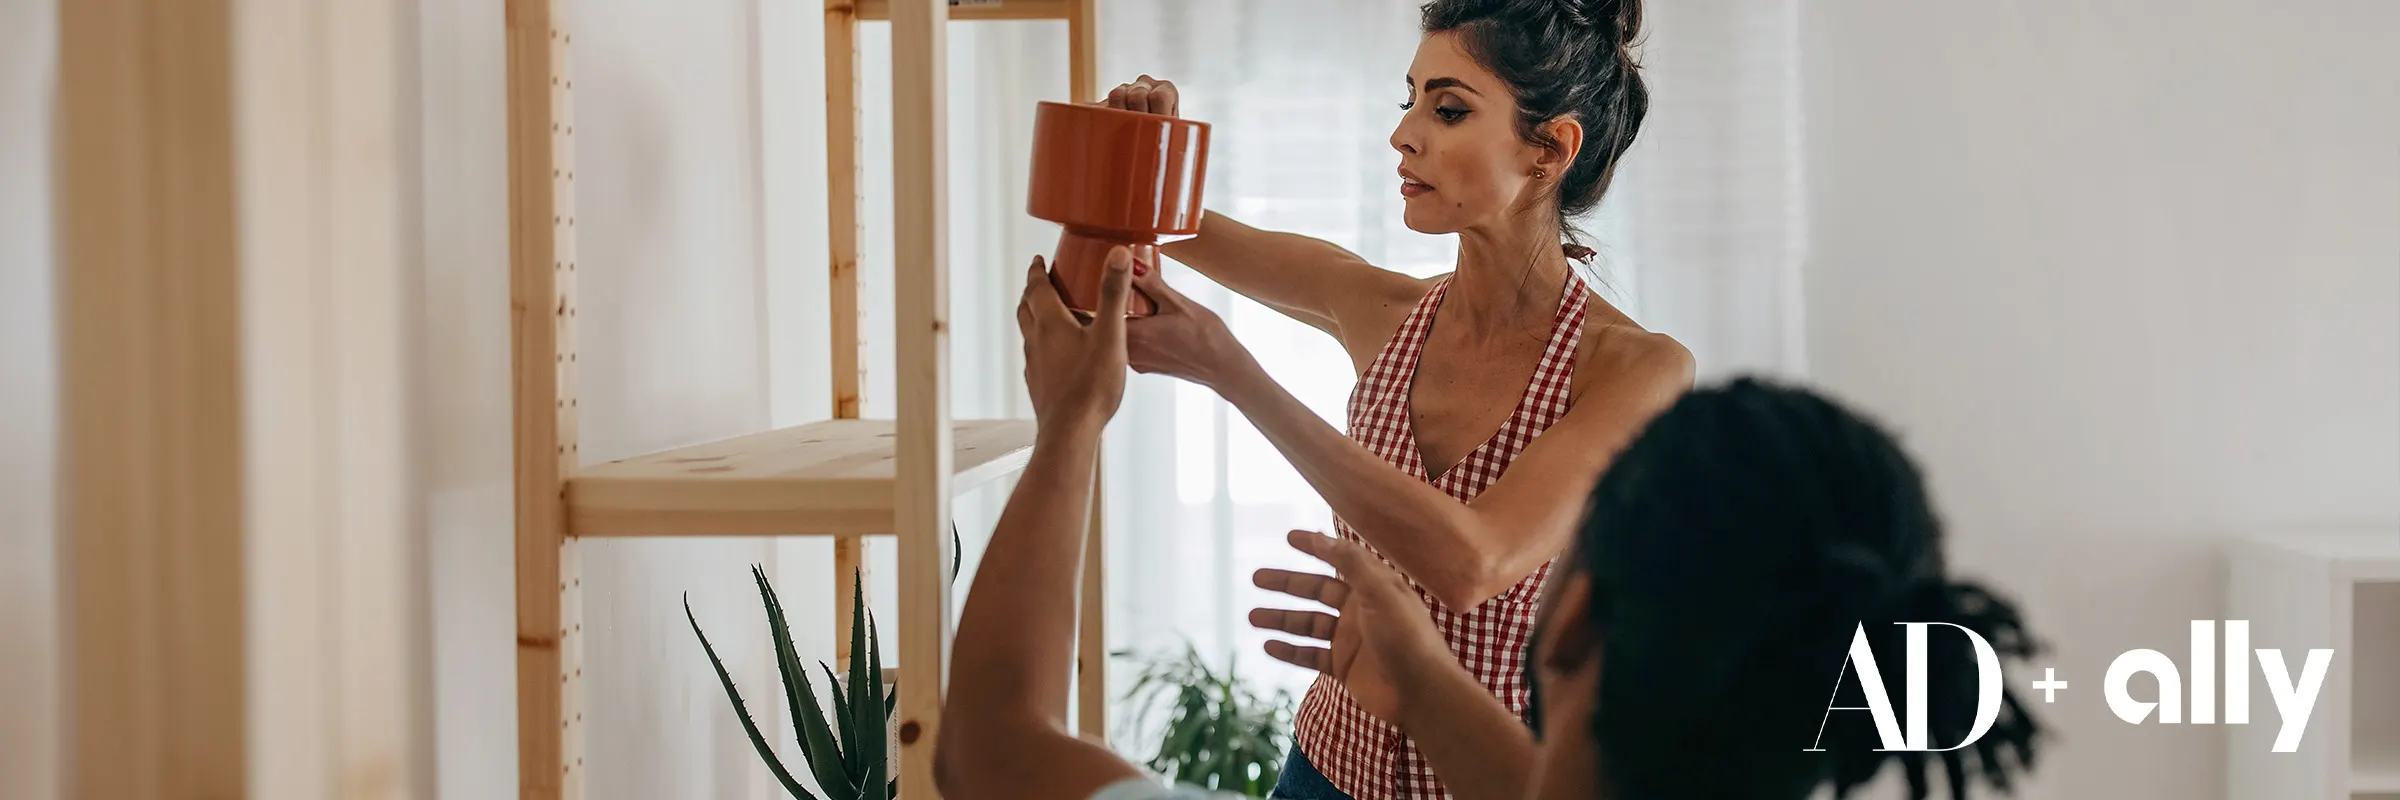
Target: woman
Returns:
[1488, 399]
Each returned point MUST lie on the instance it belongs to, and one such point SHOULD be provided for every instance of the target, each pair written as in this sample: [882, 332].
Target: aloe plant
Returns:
[845, 743]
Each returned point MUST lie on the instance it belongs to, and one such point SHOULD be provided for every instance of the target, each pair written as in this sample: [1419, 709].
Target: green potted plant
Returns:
[847, 744]
[1218, 733]
[852, 747]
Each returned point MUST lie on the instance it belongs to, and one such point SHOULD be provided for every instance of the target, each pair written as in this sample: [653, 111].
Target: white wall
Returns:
[2127, 277]
[28, 408]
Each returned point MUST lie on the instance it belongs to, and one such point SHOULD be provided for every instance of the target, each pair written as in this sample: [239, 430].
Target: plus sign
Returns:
[2049, 685]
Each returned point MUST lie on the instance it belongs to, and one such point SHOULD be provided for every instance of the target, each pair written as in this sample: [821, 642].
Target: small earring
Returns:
[1539, 173]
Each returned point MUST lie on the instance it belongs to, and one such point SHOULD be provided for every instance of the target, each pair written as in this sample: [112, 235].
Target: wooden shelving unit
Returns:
[845, 477]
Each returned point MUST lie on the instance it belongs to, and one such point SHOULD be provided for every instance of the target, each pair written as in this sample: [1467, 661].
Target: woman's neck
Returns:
[1504, 273]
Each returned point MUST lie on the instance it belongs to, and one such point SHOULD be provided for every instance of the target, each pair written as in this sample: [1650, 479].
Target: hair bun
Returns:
[1624, 17]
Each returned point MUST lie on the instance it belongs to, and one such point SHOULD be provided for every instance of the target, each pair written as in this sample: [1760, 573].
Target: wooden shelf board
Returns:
[822, 478]
[1005, 9]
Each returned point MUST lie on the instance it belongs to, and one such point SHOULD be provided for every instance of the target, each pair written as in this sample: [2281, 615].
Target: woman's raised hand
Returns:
[1144, 94]
[1183, 339]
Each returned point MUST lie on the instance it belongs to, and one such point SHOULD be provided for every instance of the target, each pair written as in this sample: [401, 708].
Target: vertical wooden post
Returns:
[542, 313]
[1083, 51]
[842, 226]
[151, 422]
[1091, 639]
[920, 175]
[1091, 647]
[333, 581]
[233, 248]
[849, 559]
[842, 180]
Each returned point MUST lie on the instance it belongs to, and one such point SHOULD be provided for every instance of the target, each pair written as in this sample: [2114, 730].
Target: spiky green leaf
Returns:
[862, 719]
[817, 743]
[849, 735]
[766, 752]
[874, 727]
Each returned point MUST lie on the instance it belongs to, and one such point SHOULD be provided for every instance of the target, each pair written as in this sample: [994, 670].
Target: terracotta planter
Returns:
[1114, 177]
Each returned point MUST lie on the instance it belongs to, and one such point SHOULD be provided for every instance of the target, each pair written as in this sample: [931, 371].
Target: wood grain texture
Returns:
[920, 179]
[843, 204]
[1091, 648]
[1091, 640]
[826, 477]
[849, 563]
[542, 314]
[1083, 51]
[333, 581]
[151, 418]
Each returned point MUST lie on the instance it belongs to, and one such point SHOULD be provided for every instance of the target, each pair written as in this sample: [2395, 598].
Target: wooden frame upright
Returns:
[241, 597]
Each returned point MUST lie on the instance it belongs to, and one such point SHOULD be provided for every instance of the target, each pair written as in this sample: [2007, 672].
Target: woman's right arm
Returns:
[1305, 278]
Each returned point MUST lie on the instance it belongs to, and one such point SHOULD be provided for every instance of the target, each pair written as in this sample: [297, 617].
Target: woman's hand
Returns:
[1145, 94]
[1381, 636]
[1183, 339]
[1075, 370]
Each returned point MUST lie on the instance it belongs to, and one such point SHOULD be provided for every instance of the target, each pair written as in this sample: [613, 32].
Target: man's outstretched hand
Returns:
[1381, 636]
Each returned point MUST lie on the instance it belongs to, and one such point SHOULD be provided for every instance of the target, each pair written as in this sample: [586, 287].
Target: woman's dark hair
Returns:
[1734, 548]
[1562, 58]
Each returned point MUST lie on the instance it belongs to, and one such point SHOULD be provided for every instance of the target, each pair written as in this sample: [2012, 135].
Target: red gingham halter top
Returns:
[1364, 756]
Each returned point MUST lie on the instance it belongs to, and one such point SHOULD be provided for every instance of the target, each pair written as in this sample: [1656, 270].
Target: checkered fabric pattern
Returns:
[1366, 757]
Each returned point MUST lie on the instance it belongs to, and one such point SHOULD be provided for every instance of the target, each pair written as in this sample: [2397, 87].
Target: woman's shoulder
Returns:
[1620, 352]
[1388, 295]
[1369, 314]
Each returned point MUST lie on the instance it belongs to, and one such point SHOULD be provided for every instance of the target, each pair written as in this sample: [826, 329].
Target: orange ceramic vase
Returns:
[1114, 177]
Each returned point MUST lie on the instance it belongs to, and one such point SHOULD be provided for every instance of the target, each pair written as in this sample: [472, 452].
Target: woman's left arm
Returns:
[1463, 553]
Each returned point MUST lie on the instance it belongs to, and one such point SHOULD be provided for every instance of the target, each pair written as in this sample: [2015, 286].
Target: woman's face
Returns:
[1462, 164]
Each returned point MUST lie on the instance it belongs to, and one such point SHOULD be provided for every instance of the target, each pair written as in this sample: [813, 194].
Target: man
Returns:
[1724, 565]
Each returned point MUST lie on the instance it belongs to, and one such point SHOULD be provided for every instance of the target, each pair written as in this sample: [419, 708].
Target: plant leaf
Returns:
[874, 736]
[766, 752]
[787, 662]
[862, 696]
[1217, 732]
[841, 713]
[824, 753]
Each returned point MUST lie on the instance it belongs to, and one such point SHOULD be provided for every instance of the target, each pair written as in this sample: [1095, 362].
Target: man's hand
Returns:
[1075, 370]
[1381, 636]
[1004, 723]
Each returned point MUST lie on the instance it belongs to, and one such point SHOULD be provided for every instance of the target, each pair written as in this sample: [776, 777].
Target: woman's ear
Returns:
[1567, 132]
[1567, 641]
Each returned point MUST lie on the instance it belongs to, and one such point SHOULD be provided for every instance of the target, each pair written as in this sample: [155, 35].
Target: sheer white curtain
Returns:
[1709, 208]
[1699, 239]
